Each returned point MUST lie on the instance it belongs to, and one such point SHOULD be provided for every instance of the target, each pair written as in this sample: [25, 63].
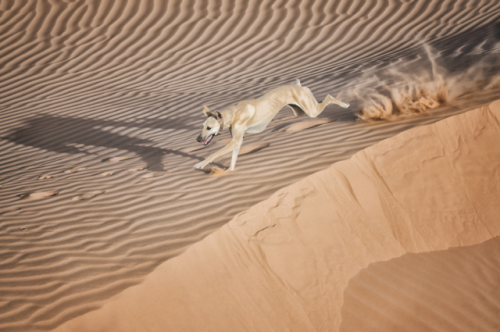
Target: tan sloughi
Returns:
[253, 115]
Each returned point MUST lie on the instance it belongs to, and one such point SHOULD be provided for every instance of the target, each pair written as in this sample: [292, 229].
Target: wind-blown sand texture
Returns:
[285, 264]
[94, 88]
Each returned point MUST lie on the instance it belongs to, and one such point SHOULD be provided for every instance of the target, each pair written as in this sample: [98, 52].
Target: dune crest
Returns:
[285, 263]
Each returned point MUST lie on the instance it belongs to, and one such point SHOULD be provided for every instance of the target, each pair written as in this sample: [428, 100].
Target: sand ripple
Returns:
[123, 82]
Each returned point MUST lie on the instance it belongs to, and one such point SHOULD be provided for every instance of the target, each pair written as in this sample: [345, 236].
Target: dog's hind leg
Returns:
[338, 102]
[312, 108]
[330, 100]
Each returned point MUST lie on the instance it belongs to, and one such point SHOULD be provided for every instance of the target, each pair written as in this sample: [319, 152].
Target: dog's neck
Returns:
[227, 117]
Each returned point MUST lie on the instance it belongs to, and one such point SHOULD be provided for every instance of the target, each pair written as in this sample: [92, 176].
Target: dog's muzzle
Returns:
[206, 140]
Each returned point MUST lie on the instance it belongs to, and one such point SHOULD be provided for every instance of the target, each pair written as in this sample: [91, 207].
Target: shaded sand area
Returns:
[100, 106]
[286, 263]
[447, 290]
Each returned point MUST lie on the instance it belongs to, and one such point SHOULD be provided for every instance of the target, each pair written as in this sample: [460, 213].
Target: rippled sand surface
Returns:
[100, 106]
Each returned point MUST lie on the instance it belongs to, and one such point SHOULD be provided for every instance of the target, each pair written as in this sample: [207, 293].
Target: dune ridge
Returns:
[88, 85]
[285, 263]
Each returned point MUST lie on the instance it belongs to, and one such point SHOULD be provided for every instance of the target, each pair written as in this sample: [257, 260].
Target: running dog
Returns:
[252, 116]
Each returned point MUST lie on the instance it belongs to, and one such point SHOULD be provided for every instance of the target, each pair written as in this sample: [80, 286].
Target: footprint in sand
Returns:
[217, 171]
[38, 195]
[89, 195]
[74, 170]
[43, 177]
[118, 159]
[139, 169]
[306, 125]
[108, 173]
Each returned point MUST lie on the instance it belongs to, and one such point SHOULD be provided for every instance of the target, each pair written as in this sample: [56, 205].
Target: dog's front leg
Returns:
[228, 148]
[235, 144]
[233, 159]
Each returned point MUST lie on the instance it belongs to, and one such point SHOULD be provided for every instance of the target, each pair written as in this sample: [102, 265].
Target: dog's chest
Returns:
[258, 127]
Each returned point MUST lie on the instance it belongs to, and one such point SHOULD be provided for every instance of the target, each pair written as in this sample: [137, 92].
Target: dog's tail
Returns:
[297, 82]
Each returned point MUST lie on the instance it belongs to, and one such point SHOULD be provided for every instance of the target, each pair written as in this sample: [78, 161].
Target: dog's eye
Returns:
[208, 128]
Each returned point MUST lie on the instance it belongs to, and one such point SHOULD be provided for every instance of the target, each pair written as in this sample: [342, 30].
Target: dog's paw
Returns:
[200, 165]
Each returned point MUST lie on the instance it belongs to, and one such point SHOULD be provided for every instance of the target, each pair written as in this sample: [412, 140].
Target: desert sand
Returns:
[100, 108]
[284, 264]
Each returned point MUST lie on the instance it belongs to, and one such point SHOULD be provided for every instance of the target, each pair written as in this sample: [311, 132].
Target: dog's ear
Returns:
[206, 111]
[219, 116]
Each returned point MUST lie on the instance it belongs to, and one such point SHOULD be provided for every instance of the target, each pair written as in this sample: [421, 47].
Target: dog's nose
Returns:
[198, 139]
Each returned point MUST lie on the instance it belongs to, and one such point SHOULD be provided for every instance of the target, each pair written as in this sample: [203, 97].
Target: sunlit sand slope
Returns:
[284, 264]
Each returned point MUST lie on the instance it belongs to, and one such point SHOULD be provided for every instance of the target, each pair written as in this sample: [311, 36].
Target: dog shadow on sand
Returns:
[59, 134]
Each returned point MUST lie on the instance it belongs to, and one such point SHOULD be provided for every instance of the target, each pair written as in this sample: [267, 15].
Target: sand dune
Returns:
[451, 290]
[93, 88]
[285, 264]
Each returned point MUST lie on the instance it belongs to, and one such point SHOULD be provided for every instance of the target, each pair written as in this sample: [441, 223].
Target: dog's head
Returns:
[211, 126]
